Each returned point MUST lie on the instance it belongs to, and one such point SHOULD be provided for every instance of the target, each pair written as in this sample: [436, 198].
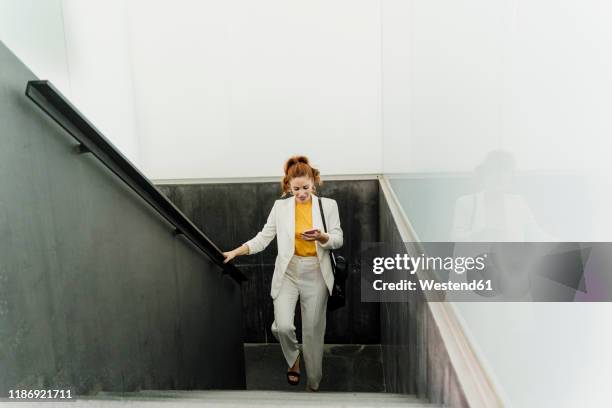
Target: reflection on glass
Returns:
[493, 212]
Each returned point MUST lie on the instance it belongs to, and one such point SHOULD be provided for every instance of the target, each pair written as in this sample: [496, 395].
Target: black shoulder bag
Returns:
[337, 298]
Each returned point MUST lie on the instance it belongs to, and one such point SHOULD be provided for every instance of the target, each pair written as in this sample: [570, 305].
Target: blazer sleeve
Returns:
[336, 236]
[263, 238]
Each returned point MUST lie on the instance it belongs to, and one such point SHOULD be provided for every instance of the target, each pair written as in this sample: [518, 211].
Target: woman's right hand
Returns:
[229, 255]
[241, 250]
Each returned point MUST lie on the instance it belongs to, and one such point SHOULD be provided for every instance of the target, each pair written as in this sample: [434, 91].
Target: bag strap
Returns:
[331, 253]
[322, 214]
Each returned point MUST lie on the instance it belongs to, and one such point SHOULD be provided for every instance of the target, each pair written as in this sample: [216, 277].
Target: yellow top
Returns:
[303, 222]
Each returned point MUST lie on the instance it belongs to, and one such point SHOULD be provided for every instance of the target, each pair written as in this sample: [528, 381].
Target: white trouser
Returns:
[302, 278]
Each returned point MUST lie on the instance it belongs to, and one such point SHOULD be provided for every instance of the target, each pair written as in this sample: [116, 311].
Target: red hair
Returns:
[298, 166]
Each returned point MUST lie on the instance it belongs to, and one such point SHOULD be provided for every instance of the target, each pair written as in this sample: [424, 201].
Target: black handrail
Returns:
[91, 140]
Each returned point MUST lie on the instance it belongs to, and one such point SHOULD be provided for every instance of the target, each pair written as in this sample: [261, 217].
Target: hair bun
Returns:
[295, 160]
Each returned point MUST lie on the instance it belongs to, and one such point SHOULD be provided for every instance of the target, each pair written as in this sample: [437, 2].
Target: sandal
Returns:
[292, 373]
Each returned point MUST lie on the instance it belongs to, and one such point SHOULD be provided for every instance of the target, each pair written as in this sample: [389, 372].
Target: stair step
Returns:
[247, 398]
[346, 368]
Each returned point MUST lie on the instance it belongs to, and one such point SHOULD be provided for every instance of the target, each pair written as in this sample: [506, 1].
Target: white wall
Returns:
[440, 83]
[231, 89]
[82, 48]
[100, 70]
[33, 30]
[202, 89]
[464, 77]
[286, 76]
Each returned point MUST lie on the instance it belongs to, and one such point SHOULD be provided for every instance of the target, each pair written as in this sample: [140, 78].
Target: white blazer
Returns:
[281, 223]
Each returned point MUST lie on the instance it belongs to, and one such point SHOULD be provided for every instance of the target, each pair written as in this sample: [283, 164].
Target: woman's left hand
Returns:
[316, 235]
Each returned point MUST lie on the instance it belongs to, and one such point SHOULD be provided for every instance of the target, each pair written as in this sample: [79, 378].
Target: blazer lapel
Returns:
[291, 215]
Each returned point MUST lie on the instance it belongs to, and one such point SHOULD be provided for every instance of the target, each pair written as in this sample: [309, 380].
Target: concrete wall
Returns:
[235, 212]
[95, 291]
[415, 360]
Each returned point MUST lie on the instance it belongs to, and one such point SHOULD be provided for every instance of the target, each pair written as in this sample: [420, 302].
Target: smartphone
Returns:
[310, 231]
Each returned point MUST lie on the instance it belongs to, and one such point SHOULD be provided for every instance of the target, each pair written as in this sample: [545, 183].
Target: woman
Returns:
[302, 268]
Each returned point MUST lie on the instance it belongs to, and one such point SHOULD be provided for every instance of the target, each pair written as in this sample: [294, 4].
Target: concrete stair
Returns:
[346, 368]
[353, 377]
[244, 398]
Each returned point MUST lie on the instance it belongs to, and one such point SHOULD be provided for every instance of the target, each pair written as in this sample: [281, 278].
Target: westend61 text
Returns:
[433, 285]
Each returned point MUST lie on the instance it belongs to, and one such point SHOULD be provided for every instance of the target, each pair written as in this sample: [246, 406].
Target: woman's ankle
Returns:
[296, 364]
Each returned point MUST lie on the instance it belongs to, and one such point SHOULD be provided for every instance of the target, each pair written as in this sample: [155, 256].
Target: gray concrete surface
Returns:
[95, 291]
[257, 399]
